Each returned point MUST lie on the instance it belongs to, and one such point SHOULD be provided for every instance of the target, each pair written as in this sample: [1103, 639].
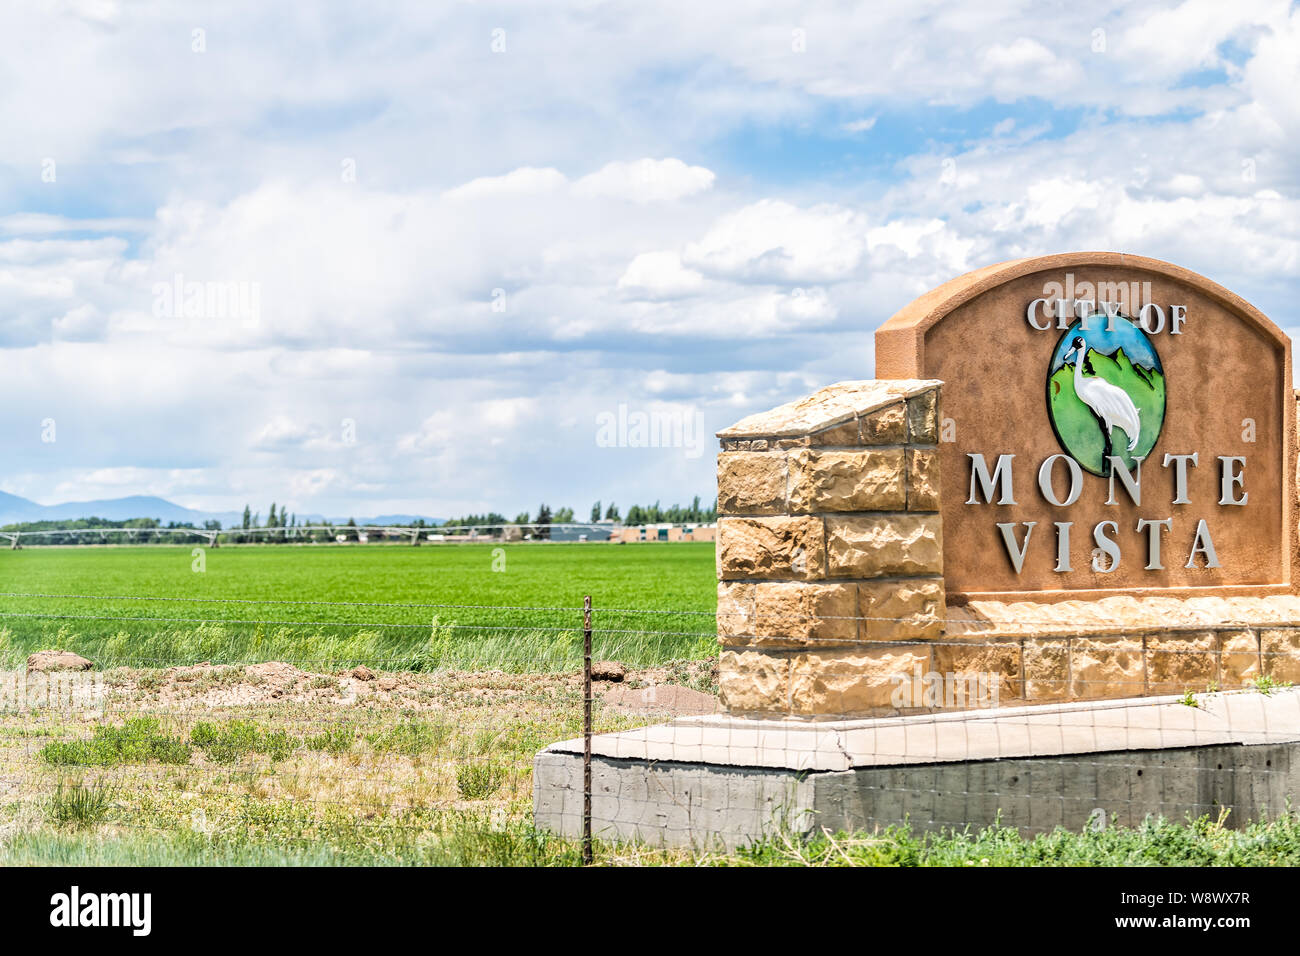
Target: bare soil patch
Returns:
[680, 689]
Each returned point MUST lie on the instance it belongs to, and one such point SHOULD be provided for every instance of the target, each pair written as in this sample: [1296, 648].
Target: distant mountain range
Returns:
[14, 509]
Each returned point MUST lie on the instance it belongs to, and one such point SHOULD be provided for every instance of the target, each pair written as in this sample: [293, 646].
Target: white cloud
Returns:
[1051, 202]
[753, 315]
[283, 433]
[30, 224]
[1268, 80]
[475, 426]
[312, 484]
[515, 183]
[645, 180]
[81, 323]
[120, 482]
[660, 275]
[773, 240]
[1169, 43]
[1020, 54]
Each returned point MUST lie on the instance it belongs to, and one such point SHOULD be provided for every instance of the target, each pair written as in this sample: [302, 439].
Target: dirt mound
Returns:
[666, 700]
[608, 671]
[274, 672]
[220, 685]
[43, 662]
[189, 671]
[654, 692]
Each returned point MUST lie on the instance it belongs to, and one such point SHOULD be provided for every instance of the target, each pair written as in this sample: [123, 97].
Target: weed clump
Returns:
[239, 738]
[78, 807]
[479, 779]
[139, 740]
[410, 738]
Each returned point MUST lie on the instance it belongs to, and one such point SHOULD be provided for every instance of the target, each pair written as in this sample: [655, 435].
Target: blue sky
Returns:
[463, 232]
[1107, 337]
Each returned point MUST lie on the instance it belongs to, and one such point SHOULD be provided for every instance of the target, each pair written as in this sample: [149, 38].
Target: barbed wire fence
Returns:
[303, 719]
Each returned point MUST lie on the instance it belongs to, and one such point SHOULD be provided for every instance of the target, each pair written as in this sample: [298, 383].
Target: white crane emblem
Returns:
[1110, 403]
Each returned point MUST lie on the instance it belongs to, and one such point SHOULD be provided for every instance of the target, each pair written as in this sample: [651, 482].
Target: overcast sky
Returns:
[464, 234]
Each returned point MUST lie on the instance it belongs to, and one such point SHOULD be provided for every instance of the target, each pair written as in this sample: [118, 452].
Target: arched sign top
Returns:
[901, 340]
[1112, 424]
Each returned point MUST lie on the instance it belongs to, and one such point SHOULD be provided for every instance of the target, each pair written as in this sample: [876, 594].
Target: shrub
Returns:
[239, 738]
[139, 740]
[335, 740]
[78, 806]
[479, 779]
[410, 738]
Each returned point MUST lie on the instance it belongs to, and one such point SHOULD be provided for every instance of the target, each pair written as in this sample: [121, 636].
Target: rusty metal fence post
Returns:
[586, 730]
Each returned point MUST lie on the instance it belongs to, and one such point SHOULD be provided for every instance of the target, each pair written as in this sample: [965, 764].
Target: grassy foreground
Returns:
[469, 839]
[270, 765]
[269, 762]
[330, 605]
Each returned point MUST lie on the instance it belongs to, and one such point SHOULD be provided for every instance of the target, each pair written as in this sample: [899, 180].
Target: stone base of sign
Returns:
[1008, 653]
[723, 782]
[829, 541]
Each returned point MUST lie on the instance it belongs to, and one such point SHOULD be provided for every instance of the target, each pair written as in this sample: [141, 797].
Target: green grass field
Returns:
[530, 596]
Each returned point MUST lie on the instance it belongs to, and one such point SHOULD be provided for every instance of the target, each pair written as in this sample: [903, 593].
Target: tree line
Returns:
[143, 530]
[281, 525]
[286, 527]
[694, 513]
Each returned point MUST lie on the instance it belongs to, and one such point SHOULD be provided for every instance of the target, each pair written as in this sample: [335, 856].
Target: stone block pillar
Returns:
[829, 550]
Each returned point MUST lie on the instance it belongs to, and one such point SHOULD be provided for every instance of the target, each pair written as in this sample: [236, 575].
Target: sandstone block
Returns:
[847, 481]
[845, 433]
[866, 680]
[984, 674]
[923, 418]
[1182, 661]
[1239, 659]
[1280, 653]
[887, 426]
[735, 611]
[751, 483]
[779, 547]
[828, 407]
[884, 545]
[793, 612]
[1047, 669]
[1106, 667]
[902, 609]
[922, 479]
[753, 682]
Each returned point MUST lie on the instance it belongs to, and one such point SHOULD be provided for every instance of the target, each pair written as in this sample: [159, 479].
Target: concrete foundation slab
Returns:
[723, 781]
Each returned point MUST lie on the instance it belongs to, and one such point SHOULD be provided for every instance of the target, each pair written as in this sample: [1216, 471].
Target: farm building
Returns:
[665, 532]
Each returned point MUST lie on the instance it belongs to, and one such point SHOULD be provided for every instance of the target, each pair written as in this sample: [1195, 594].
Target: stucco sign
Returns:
[1109, 424]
